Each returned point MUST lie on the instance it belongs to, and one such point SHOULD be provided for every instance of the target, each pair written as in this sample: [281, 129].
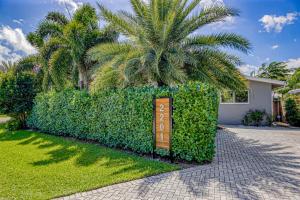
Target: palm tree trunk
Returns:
[160, 83]
[83, 79]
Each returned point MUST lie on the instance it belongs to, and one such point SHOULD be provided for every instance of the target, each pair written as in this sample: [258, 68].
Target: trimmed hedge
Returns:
[123, 118]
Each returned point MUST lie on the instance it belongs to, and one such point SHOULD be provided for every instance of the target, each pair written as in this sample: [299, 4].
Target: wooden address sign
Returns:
[162, 122]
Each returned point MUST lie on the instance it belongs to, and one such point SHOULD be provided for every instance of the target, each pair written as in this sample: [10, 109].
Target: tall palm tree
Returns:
[275, 70]
[63, 45]
[51, 27]
[163, 45]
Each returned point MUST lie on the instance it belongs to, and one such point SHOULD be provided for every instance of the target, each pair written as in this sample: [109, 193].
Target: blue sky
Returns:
[272, 26]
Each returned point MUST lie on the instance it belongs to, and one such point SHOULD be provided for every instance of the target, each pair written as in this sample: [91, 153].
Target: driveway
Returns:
[250, 163]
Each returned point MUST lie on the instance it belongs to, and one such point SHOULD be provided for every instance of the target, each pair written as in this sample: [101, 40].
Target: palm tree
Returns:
[275, 70]
[42, 39]
[5, 66]
[63, 45]
[163, 45]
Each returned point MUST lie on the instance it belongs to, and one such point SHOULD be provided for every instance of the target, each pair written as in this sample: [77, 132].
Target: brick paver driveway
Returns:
[252, 163]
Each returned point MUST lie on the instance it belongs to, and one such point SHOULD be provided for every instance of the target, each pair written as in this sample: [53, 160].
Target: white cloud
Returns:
[13, 44]
[276, 46]
[16, 38]
[293, 63]
[227, 23]
[247, 69]
[8, 54]
[276, 23]
[73, 5]
[18, 21]
[210, 3]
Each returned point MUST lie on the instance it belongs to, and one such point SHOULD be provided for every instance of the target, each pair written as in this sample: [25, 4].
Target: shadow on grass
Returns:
[59, 150]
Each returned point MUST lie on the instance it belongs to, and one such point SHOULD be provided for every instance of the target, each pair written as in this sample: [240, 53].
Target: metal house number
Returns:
[161, 120]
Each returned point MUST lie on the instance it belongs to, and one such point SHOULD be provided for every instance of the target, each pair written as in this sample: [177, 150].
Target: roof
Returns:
[266, 80]
[296, 91]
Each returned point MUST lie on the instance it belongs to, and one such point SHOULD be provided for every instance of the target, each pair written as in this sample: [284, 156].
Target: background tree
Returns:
[292, 112]
[275, 70]
[17, 92]
[63, 44]
[161, 47]
[292, 83]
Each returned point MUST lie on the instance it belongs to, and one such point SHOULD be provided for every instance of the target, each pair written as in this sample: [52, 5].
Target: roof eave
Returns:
[275, 83]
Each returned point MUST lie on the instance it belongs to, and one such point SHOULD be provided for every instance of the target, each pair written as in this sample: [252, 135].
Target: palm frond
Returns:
[49, 29]
[116, 21]
[27, 63]
[59, 65]
[57, 17]
[230, 40]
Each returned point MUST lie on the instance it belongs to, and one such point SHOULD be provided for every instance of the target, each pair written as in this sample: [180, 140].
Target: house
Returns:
[259, 96]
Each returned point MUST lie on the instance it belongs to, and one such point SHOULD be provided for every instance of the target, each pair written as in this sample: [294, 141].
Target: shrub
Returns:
[13, 125]
[292, 112]
[17, 92]
[256, 118]
[123, 118]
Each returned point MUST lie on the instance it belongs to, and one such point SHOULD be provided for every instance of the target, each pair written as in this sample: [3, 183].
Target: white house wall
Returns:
[260, 97]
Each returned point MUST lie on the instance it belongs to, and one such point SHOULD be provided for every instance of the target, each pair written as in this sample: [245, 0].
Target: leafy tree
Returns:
[275, 70]
[292, 112]
[162, 46]
[17, 92]
[63, 44]
[293, 82]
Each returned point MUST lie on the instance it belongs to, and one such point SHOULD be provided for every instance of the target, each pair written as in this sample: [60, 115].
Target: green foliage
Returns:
[6, 66]
[13, 124]
[256, 118]
[163, 49]
[106, 78]
[275, 70]
[292, 112]
[62, 45]
[292, 83]
[17, 92]
[123, 118]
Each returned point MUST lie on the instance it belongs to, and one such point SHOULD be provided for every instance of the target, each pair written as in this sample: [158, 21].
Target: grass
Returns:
[39, 166]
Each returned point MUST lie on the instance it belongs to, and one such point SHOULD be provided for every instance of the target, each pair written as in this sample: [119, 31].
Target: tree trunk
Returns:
[160, 83]
[83, 79]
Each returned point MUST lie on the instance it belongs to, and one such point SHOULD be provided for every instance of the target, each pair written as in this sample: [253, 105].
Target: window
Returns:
[232, 97]
[241, 97]
[227, 97]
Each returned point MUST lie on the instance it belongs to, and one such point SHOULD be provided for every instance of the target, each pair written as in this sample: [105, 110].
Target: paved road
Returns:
[259, 163]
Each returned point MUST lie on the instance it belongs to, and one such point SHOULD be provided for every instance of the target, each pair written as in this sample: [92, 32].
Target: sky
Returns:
[272, 26]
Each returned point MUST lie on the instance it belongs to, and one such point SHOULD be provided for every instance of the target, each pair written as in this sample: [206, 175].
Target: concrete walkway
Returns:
[262, 163]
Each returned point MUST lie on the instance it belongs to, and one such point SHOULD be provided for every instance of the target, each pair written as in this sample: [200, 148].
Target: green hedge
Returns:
[123, 118]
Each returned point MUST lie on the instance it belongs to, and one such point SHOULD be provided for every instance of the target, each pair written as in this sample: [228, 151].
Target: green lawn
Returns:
[39, 166]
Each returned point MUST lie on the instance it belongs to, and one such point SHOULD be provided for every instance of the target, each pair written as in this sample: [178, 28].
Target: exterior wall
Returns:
[260, 97]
